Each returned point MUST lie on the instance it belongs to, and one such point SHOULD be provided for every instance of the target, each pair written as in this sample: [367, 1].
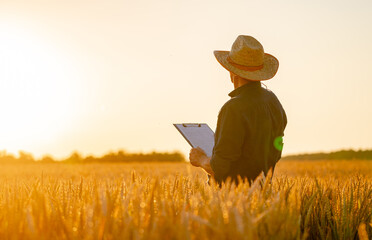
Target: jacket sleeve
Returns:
[229, 138]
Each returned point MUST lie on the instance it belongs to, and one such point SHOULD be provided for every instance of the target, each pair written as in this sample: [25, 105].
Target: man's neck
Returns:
[241, 82]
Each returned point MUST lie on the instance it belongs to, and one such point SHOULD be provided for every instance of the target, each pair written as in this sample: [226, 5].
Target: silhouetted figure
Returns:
[250, 126]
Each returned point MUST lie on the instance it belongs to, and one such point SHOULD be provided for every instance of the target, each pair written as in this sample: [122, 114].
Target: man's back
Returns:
[248, 134]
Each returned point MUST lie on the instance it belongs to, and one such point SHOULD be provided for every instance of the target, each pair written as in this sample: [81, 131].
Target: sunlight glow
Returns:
[36, 95]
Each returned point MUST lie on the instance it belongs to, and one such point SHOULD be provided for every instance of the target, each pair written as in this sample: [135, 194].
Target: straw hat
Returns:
[248, 60]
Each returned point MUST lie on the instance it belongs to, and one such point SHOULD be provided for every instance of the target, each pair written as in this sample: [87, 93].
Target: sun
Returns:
[37, 93]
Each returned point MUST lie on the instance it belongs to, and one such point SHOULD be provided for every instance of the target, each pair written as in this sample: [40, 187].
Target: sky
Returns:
[99, 76]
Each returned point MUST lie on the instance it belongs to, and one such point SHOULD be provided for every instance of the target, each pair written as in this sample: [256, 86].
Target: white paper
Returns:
[198, 135]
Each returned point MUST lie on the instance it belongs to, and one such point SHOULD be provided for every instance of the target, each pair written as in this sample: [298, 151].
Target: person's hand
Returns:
[197, 157]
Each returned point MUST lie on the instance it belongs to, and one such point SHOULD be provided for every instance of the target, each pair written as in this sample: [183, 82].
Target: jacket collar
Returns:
[245, 88]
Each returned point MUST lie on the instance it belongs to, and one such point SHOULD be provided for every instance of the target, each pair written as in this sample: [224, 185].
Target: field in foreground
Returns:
[305, 200]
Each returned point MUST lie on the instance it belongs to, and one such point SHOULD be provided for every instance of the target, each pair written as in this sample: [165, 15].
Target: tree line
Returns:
[123, 156]
[112, 157]
[336, 155]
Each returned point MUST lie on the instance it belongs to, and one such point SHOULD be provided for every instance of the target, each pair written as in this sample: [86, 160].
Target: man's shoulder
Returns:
[234, 105]
[251, 101]
[270, 93]
[271, 97]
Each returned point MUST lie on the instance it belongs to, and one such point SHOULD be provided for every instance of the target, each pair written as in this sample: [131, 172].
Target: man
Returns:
[250, 126]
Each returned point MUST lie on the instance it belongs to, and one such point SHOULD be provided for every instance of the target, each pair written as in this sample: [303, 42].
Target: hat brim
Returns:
[270, 67]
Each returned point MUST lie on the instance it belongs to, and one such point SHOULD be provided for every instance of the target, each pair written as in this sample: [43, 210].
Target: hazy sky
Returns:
[95, 76]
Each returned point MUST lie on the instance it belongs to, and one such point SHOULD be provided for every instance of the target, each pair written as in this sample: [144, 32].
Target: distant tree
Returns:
[7, 158]
[25, 157]
[122, 156]
[89, 159]
[74, 158]
[47, 159]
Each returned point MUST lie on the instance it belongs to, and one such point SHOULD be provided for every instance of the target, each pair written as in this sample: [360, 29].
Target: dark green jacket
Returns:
[248, 137]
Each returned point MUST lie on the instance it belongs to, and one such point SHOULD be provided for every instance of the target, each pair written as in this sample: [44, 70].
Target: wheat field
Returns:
[304, 200]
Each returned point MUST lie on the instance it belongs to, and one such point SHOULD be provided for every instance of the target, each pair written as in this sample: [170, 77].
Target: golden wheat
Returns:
[305, 200]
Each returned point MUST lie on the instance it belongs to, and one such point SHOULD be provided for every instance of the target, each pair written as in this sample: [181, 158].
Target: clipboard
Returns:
[197, 135]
